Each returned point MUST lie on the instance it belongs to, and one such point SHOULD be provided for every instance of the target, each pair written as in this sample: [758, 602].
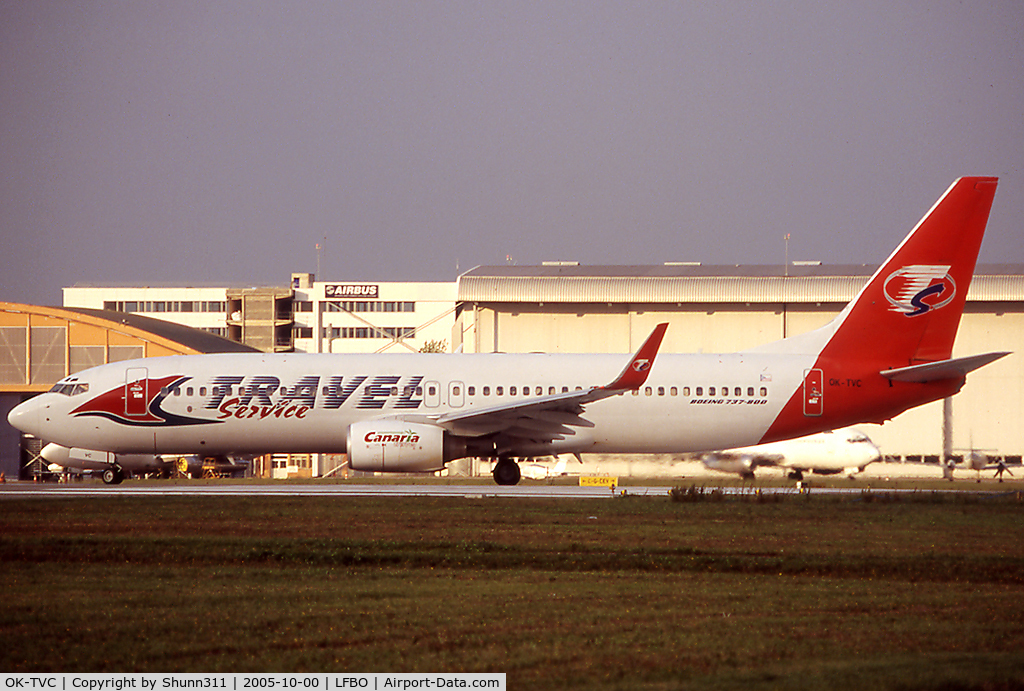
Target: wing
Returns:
[550, 418]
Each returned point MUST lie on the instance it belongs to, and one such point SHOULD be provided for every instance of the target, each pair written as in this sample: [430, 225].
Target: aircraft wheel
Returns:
[112, 476]
[506, 472]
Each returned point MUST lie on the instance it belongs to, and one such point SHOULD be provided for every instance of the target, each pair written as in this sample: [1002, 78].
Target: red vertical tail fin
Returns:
[910, 310]
[889, 349]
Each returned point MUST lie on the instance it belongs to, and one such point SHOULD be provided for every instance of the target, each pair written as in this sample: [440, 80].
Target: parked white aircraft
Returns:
[887, 351]
[827, 453]
[115, 466]
[110, 465]
[534, 470]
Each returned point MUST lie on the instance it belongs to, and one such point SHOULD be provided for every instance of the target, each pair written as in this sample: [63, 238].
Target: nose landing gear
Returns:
[113, 475]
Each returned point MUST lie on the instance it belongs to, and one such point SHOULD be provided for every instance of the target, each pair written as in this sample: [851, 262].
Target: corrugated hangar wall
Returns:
[986, 413]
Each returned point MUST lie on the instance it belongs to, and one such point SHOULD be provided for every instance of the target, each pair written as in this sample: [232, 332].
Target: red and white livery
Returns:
[887, 351]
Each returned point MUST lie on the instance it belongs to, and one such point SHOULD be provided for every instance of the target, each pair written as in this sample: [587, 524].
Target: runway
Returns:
[465, 491]
[324, 490]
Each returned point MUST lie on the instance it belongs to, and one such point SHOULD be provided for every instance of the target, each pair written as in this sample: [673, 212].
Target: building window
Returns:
[377, 332]
[368, 306]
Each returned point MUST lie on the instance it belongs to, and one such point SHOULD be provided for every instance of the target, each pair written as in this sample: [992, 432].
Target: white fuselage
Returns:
[255, 403]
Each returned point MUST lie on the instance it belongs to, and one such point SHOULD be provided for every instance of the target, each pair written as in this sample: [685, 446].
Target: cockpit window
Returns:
[70, 388]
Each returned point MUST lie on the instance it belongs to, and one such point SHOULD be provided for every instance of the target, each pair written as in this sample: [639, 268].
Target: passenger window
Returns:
[711, 391]
[750, 390]
[764, 391]
[565, 389]
[511, 391]
[419, 390]
[176, 391]
[661, 390]
[700, 390]
[738, 391]
[647, 391]
[636, 392]
[725, 390]
[471, 390]
[431, 390]
[455, 391]
[497, 390]
[551, 390]
[487, 391]
[686, 390]
[189, 391]
[538, 391]
[673, 391]
[202, 390]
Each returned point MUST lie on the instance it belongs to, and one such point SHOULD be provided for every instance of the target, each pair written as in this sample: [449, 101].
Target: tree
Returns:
[434, 347]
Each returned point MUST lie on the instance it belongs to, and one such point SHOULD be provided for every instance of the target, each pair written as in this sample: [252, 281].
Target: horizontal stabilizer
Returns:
[943, 369]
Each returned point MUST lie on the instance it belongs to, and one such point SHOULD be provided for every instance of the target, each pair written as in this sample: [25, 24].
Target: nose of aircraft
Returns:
[25, 417]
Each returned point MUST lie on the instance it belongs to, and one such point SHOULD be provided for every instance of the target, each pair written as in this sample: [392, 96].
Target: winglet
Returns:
[635, 373]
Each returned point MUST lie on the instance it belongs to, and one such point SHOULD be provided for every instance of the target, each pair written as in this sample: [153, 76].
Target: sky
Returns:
[216, 143]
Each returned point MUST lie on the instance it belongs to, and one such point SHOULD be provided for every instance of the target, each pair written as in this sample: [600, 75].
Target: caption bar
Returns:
[256, 682]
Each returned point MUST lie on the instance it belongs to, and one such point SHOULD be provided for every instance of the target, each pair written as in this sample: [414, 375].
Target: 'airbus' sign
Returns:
[351, 290]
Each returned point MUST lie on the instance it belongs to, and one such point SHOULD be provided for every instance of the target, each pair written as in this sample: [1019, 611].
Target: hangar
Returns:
[41, 345]
[565, 307]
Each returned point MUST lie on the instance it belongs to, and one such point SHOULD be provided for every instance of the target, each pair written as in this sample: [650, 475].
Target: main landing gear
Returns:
[506, 471]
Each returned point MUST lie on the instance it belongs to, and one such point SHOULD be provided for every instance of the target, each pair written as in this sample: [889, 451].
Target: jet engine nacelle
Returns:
[395, 446]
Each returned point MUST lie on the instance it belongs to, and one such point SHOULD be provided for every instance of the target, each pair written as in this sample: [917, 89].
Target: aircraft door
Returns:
[136, 391]
[456, 394]
[814, 392]
[431, 394]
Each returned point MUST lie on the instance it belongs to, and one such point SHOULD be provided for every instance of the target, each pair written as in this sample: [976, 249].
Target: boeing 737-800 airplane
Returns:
[887, 351]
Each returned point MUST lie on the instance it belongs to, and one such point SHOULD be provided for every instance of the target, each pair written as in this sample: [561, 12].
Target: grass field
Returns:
[805, 593]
